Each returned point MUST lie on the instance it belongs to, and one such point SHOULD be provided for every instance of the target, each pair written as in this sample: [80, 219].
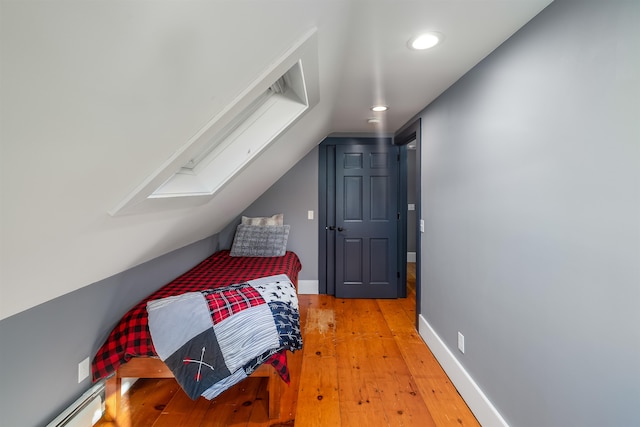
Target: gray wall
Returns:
[293, 195]
[531, 197]
[41, 347]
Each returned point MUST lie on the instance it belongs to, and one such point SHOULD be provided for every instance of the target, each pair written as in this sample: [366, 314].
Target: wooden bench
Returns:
[149, 367]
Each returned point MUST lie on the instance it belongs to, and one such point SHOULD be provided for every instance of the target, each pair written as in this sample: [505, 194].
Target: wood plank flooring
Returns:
[363, 364]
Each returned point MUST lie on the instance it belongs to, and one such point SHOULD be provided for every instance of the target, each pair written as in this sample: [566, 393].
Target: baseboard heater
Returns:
[85, 411]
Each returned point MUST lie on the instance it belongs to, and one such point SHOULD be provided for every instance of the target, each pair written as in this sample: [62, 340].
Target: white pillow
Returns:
[277, 219]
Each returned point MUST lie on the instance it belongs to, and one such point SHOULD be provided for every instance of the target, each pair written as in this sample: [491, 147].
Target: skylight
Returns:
[243, 138]
[231, 139]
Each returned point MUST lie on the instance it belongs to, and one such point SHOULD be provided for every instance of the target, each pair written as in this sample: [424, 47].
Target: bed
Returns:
[129, 350]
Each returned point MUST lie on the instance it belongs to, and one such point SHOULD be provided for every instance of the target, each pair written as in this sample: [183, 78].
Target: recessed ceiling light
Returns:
[378, 108]
[373, 120]
[425, 41]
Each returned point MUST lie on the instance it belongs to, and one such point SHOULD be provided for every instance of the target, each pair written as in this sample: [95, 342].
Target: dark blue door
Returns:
[366, 221]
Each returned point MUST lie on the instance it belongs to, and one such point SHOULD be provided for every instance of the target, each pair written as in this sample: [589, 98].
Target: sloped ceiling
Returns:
[96, 95]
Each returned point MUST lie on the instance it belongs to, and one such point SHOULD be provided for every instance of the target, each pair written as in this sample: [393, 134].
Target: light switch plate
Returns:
[461, 342]
[83, 370]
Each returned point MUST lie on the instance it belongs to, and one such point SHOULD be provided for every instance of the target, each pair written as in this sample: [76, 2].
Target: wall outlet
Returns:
[309, 214]
[461, 342]
[83, 370]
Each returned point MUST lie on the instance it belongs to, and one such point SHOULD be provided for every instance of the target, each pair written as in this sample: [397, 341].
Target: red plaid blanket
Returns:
[131, 337]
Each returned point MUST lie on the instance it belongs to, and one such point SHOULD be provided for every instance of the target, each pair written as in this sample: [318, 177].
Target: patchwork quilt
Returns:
[214, 338]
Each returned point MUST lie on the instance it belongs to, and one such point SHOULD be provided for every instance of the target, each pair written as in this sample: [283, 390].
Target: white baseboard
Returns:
[308, 287]
[85, 411]
[126, 384]
[477, 401]
[411, 257]
[88, 408]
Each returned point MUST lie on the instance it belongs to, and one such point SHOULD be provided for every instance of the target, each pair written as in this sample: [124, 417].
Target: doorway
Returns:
[359, 219]
[406, 136]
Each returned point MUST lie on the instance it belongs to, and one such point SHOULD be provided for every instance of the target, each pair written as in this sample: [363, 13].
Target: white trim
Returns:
[127, 383]
[85, 411]
[308, 287]
[411, 257]
[477, 401]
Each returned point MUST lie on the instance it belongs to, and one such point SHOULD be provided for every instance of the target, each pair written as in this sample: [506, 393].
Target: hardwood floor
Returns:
[363, 364]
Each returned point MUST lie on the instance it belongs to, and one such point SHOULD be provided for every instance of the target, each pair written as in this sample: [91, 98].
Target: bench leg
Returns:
[274, 389]
[113, 401]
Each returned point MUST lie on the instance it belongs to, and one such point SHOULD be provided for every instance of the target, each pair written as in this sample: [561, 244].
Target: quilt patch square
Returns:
[287, 323]
[198, 364]
[174, 320]
[230, 300]
[246, 335]
[276, 288]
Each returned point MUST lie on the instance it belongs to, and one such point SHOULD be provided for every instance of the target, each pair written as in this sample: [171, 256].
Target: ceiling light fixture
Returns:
[373, 121]
[379, 108]
[425, 41]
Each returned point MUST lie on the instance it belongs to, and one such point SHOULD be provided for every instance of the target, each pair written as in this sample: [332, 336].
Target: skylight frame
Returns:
[237, 144]
[302, 54]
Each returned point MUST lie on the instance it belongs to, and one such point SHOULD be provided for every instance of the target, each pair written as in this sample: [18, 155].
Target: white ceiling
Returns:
[379, 68]
[97, 95]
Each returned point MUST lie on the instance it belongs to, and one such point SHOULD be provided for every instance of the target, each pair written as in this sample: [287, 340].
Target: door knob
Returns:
[342, 229]
[331, 227]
